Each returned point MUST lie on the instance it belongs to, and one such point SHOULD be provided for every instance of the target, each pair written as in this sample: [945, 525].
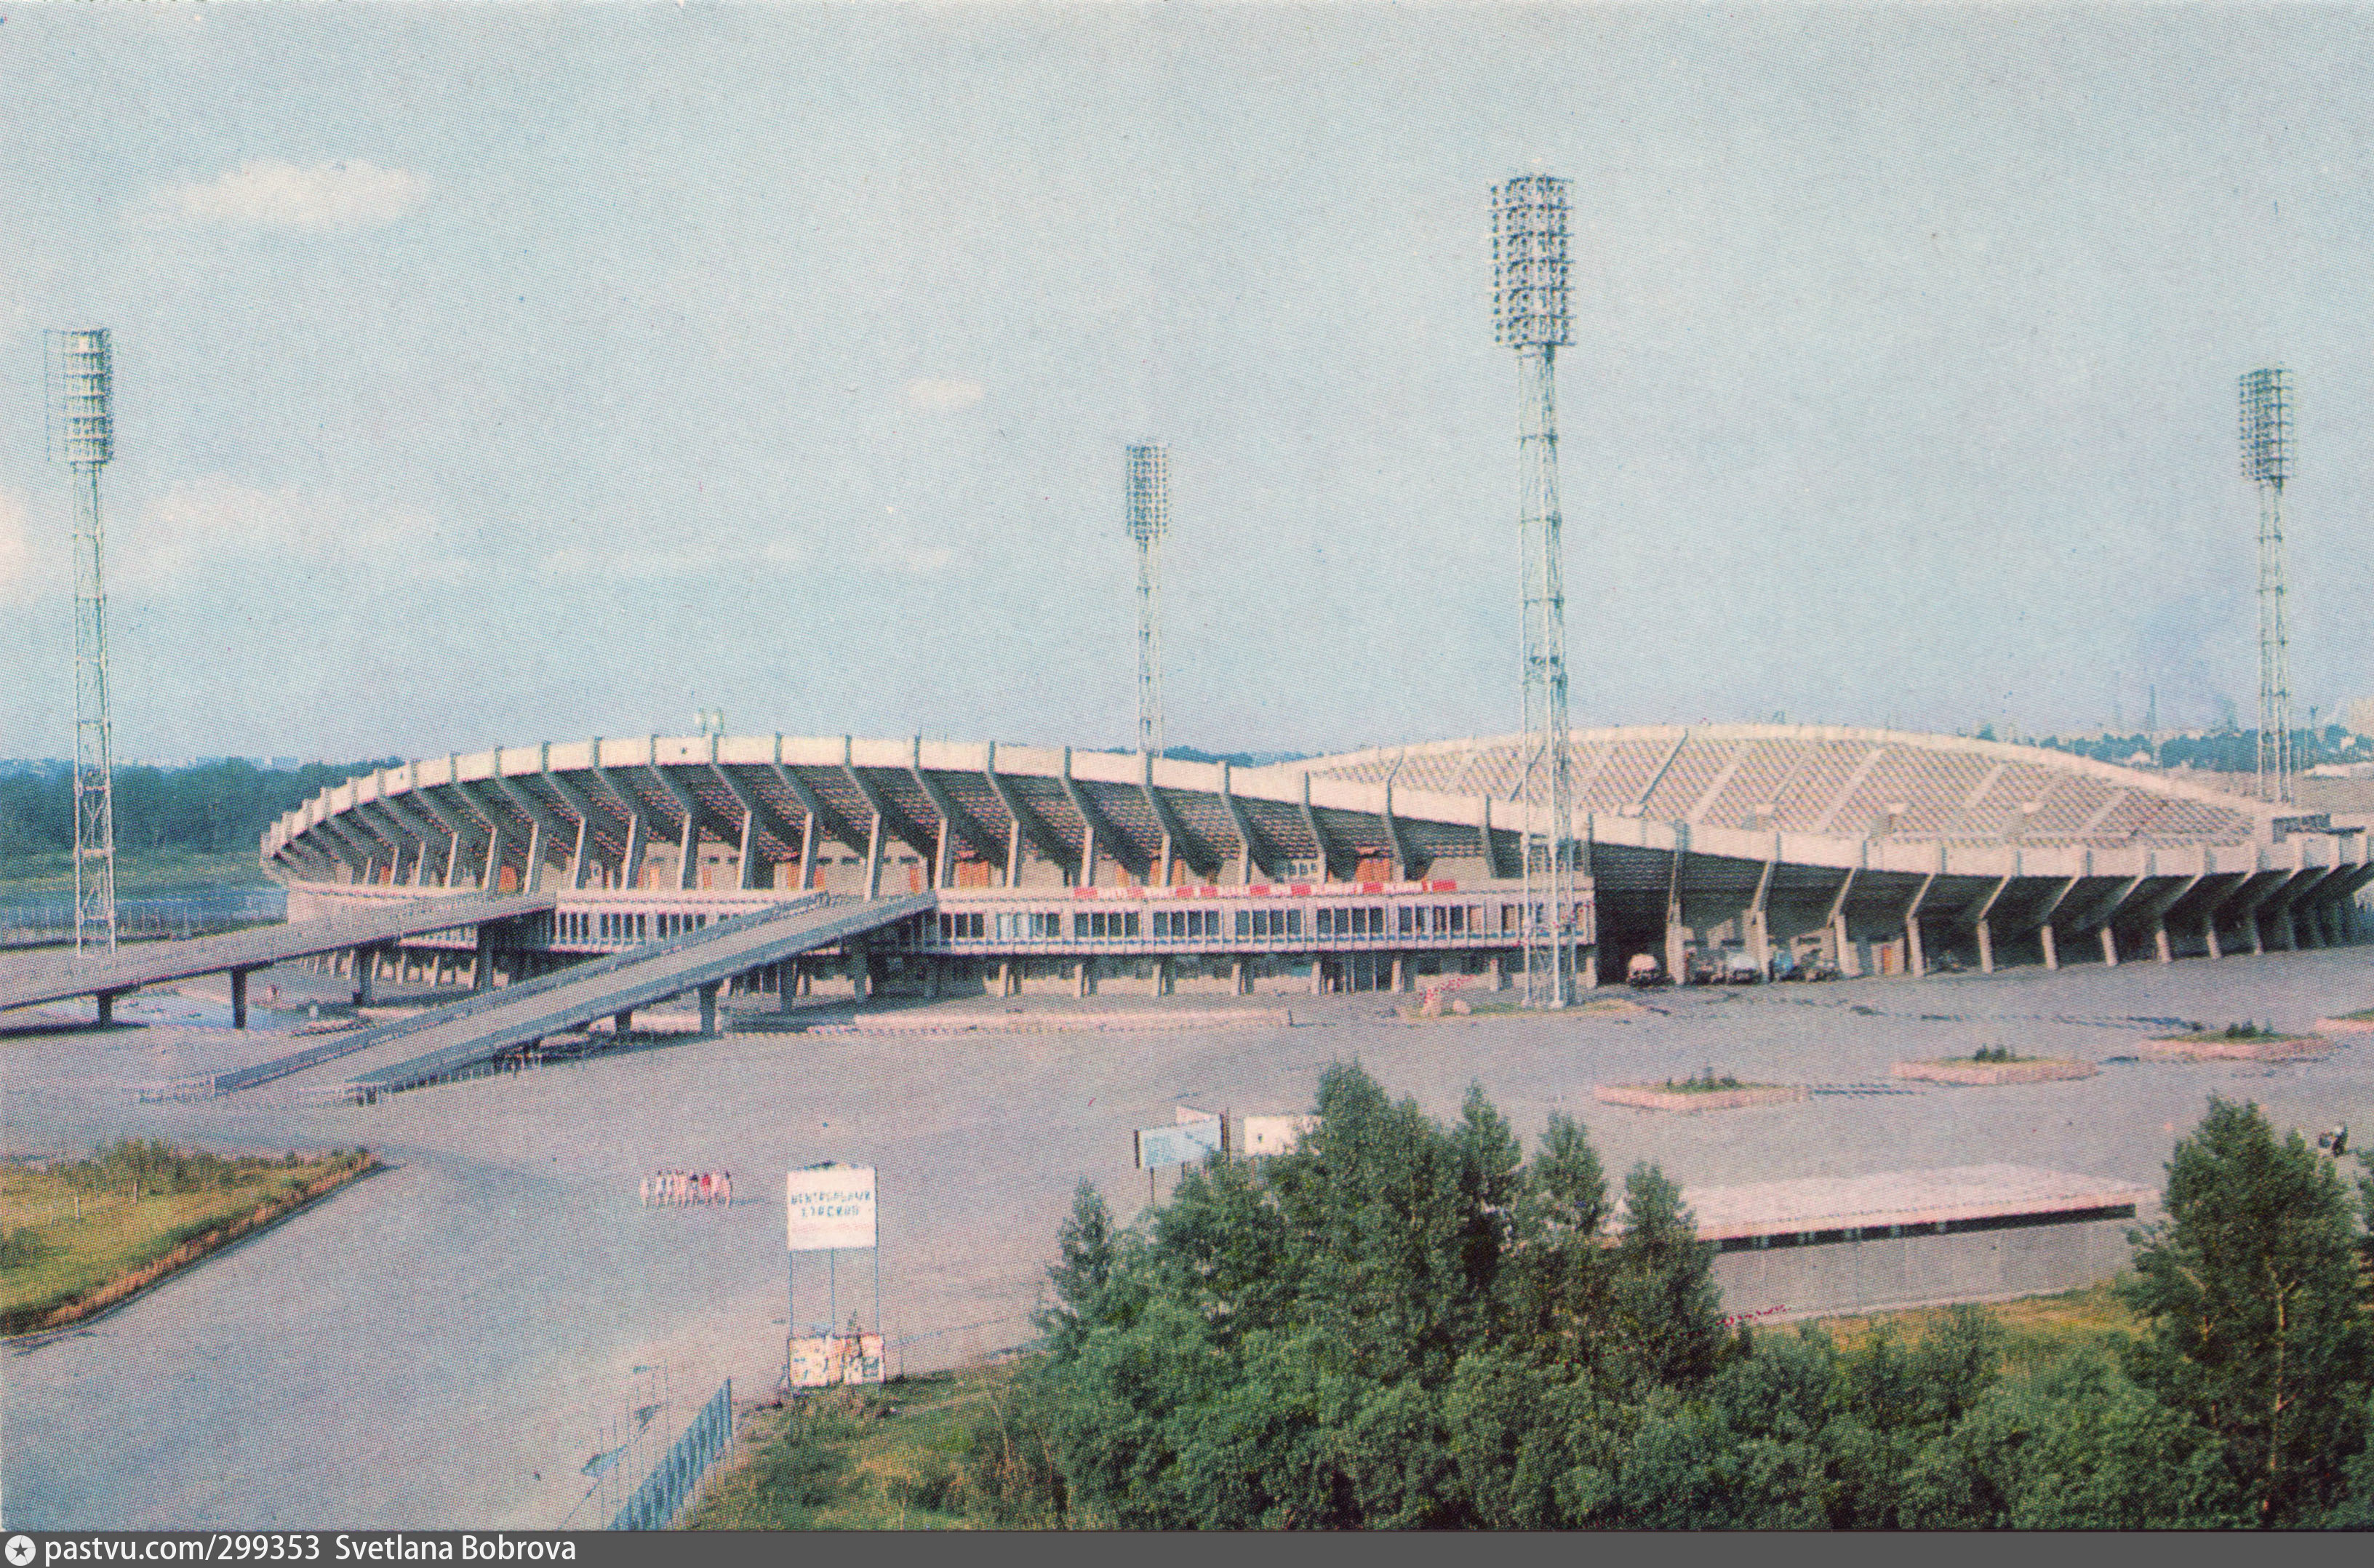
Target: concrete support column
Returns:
[366, 973]
[238, 999]
[873, 859]
[1398, 986]
[1677, 937]
[1587, 968]
[1005, 977]
[709, 1010]
[1916, 960]
[622, 1023]
[1161, 978]
[1496, 982]
[2051, 947]
[787, 984]
[2110, 947]
[1318, 975]
[482, 967]
[1080, 976]
[106, 1001]
[2209, 934]
[1237, 977]
[1986, 947]
[2160, 944]
[2286, 934]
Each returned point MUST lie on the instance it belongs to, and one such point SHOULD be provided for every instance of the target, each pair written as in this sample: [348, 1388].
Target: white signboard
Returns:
[1185, 1144]
[1273, 1134]
[830, 1206]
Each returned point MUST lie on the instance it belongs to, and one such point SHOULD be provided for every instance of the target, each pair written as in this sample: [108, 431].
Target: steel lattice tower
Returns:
[1149, 520]
[78, 377]
[1528, 314]
[2266, 462]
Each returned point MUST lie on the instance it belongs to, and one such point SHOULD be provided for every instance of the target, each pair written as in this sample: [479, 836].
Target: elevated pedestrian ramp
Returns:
[446, 1040]
[156, 964]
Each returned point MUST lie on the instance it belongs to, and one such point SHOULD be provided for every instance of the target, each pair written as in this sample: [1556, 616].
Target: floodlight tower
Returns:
[81, 427]
[1529, 314]
[2266, 462]
[1149, 520]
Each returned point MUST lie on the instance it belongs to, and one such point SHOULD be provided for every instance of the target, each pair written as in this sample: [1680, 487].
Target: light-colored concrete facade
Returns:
[1061, 870]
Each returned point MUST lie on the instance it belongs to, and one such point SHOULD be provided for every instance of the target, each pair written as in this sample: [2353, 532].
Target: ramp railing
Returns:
[676, 1477]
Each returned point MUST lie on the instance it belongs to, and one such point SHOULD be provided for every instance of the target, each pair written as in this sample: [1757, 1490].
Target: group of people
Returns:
[675, 1189]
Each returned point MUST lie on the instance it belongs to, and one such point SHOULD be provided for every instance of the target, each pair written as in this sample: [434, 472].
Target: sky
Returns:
[489, 375]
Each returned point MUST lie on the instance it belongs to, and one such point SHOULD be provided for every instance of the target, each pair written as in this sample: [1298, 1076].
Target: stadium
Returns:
[1081, 871]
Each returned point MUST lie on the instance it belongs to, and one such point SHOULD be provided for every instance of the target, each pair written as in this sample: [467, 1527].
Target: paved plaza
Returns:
[450, 1340]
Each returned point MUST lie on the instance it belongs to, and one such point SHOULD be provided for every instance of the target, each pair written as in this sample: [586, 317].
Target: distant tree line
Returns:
[2228, 750]
[212, 807]
[1400, 1325]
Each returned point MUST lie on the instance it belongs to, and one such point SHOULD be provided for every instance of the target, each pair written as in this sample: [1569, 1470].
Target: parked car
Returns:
[1644, 973]
[1737, 967]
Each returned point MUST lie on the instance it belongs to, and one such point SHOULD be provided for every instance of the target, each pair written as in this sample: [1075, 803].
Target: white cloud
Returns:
[942, 397]
[22, 579]
[206, 525]
[684, 560]
[272, 195]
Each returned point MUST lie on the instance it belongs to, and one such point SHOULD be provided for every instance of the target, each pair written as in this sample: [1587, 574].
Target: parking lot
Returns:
[446, 1342]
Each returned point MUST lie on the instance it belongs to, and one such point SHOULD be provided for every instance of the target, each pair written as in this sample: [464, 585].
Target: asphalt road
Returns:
[449, 1341]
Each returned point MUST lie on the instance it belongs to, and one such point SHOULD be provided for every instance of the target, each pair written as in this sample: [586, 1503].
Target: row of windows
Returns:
[1413, 920]
[1934, 1227]
[622, 925]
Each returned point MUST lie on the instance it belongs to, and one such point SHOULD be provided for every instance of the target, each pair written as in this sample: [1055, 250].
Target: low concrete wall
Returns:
[1648, 1098]
[2233, 1050]
[1920, 1271]
[1985, 1073]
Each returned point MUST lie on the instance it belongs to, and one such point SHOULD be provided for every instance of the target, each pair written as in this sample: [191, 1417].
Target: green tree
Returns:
[1086, 1245]
[1666, 1311]
[2251, 1288]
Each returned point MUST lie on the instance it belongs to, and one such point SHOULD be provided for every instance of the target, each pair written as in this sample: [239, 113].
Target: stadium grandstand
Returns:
[1079, 871]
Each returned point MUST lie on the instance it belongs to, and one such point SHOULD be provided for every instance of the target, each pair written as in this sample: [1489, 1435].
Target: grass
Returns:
[50, 1259]
[2363, 1016]
[137, 871]
[2042, 1329]
[1706, 1083]
[887, 1458]
[2245, 1031]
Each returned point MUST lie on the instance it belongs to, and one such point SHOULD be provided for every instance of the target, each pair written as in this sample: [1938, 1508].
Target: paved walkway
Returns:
[444, 1343]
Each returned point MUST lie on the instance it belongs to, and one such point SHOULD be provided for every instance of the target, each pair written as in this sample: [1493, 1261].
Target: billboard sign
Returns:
[1181, 1144]
[830, 1206]
[1273, 1134]
[827, 1361]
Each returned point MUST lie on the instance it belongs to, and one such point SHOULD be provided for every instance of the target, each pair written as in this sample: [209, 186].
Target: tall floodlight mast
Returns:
[82, 435]
[1529, 314]
[2267, 462]
[1149, 520]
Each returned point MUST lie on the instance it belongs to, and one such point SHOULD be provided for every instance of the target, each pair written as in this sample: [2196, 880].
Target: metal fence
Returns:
[672, 1480]
[53, 920]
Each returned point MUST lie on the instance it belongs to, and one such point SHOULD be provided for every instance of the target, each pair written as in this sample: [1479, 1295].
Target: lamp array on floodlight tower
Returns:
[2266, 462]
[77, 380]
[1528, 314]
[1149, 520]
